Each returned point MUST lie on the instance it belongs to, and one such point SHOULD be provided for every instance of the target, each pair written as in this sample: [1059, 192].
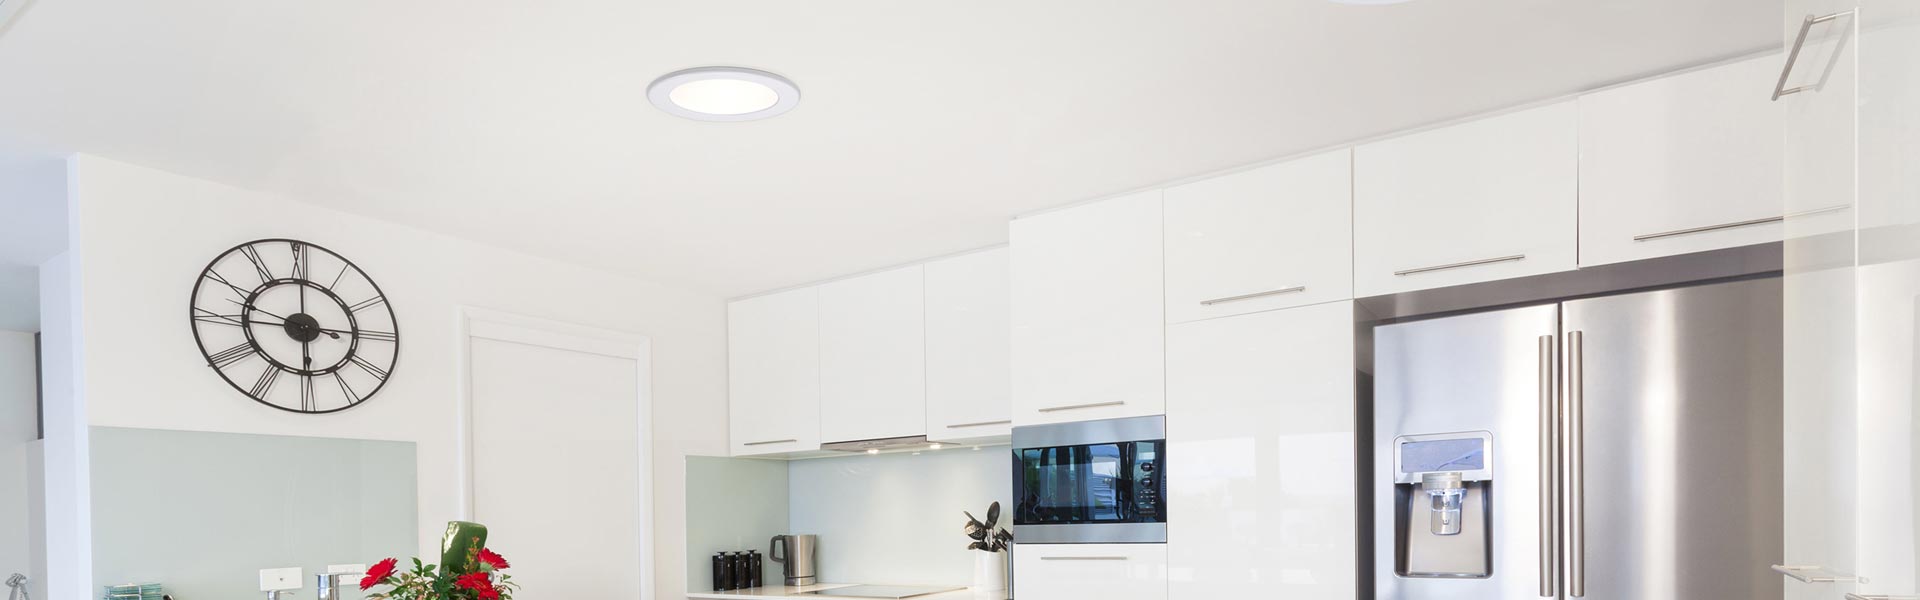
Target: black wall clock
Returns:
[294, 326]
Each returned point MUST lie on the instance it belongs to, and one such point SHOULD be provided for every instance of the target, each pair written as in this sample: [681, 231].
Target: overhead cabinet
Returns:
[1686, 163]
[918, 350]
[1272, 237]
[1480, 201]
[969, 331]
[873, 356]
[773, 375]
[1260, 429]
[1089, 318]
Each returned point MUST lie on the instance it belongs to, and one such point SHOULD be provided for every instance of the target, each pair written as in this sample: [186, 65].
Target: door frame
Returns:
[481, 323]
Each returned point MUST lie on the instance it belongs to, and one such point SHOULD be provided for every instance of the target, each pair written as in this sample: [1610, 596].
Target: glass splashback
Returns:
[202, 513]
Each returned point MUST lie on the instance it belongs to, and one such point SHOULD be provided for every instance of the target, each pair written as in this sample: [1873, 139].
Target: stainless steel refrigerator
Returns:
[1614, 448]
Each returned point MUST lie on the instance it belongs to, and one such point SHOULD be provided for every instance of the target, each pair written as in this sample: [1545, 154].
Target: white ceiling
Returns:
[925, 124]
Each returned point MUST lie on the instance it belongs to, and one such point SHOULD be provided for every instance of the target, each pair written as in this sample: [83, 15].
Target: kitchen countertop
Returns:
[785, 592]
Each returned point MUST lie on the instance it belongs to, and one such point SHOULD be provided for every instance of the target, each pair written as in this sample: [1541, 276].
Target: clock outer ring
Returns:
[202, 280]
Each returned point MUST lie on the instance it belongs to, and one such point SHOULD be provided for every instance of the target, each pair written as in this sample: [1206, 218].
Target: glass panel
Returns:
[201, 513]
[1088, 484]
[1887, 280]
[1853, 298]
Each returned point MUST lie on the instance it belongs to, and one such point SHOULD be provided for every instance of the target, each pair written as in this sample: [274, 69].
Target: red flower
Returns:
[489, 594]
[494, 560]
[474, 581]
[378, 573]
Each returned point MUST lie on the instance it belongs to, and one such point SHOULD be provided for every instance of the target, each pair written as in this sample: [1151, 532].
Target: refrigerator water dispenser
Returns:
[1443, 491]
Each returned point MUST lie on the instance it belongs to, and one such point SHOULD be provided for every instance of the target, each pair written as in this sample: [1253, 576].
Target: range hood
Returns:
[917, 442]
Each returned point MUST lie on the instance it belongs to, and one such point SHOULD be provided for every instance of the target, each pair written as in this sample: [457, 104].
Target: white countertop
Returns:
[784, 592]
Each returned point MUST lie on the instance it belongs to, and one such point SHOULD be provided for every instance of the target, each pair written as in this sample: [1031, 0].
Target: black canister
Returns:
[729, 566]
[753, 566]
[719, 571]
[742, 572]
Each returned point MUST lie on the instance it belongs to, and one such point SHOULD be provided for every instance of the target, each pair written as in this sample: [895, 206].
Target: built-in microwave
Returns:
[1091, 482]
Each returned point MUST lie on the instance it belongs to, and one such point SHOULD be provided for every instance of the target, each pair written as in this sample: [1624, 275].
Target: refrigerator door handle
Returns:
[1576, 465]
[1549, 485]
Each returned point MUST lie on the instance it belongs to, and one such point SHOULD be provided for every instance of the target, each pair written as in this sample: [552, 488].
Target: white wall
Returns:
[18, 428]
[142, 236]
[68, 534]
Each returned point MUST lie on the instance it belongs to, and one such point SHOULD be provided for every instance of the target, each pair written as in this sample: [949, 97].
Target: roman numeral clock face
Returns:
[295, 326]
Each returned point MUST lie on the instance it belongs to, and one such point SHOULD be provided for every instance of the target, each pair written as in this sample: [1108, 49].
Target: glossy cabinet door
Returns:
[1089, 327]
[1272, 237]
[1489, 199]
[969, 327]
[1683, 164]
[1091, 572]
[1260, 435]
[873, 356]
[773, 374]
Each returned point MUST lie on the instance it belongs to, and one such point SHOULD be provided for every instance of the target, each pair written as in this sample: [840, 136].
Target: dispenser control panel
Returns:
[1466, 453]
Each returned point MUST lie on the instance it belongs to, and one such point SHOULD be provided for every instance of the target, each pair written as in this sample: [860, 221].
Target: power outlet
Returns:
[352, 569]
[280, 579]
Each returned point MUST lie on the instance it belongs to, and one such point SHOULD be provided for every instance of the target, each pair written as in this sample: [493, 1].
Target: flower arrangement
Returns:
[426, 582]
[987, 538]
[469, 571]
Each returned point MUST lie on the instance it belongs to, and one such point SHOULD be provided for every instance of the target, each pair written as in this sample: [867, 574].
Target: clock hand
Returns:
[256, 309]
[332, 333]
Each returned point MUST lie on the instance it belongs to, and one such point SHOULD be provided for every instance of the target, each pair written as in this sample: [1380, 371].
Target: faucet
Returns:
[19, 584]
[329, 585]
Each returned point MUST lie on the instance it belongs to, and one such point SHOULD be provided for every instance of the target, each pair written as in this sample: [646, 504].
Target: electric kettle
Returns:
[796, 555]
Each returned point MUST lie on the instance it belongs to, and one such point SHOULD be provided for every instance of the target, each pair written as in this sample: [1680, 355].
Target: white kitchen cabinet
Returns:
[1089, 326]
[1489, 199]
[969, 331]
[1272, 237]
[873, 356]
[1686, 163]
[773, 374]
[1260, 432]
[1093, 572]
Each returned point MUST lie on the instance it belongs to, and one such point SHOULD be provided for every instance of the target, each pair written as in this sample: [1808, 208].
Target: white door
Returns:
[1852, 99]
[1089, 319]
[1091, 572]
[968, 327]
[1260, 435]
[558, 460]
[873, 377]
[773, 372]
[1488, 199]
[1273, 237]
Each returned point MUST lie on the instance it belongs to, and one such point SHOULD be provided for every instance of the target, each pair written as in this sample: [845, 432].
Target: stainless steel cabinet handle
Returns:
[1080, 406]
[1780, 88]
[1815, 574]
[980, 424]
[1471, 263]
[1297, 288]
[1852, 596]
[1549, 486]
[1576, 464]
[768, 442]
[1083, 558]
[1735, 224]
